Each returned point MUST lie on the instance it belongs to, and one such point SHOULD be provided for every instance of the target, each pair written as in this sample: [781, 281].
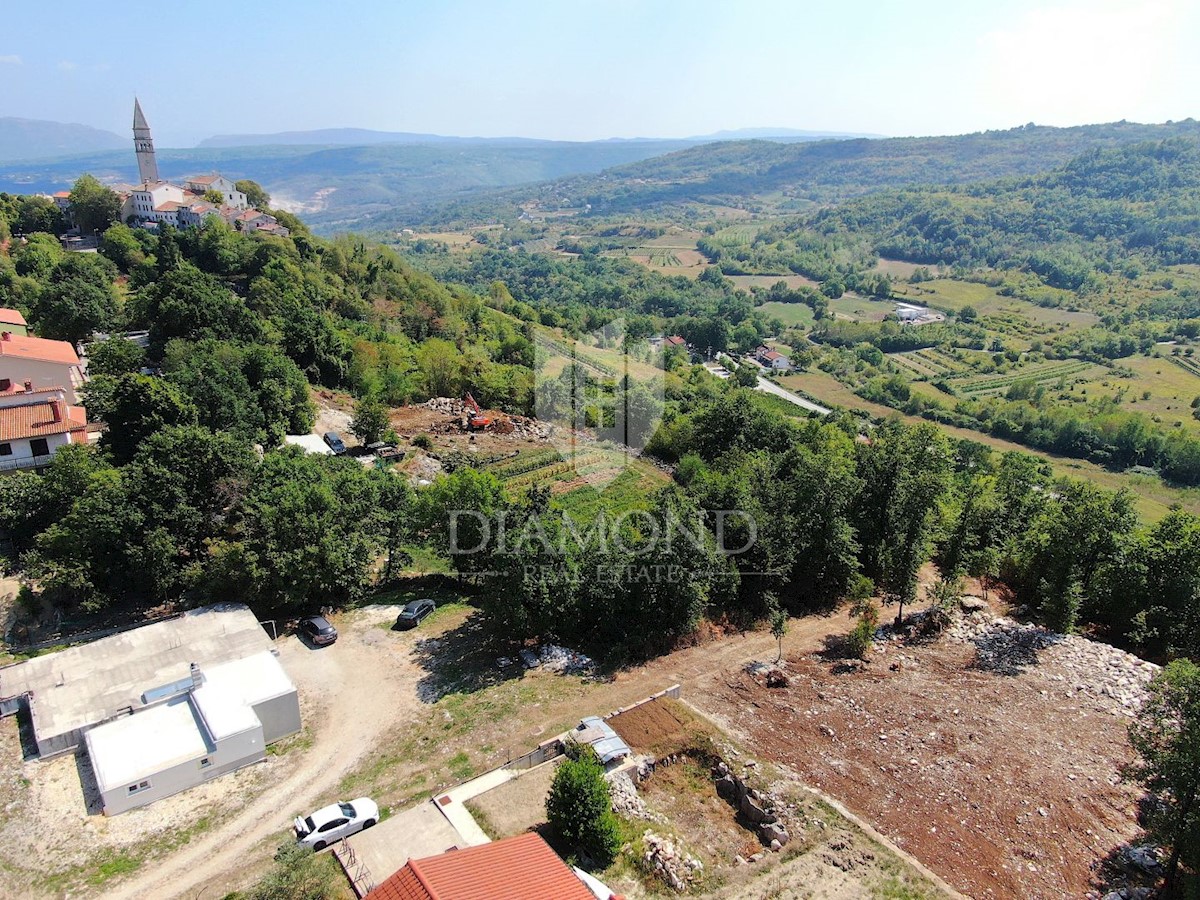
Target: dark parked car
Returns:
[413, 612]
[318, 630]
[335, 442]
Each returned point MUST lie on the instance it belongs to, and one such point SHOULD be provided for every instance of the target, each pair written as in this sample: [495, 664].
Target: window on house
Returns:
[139, 787]
[39, 447]
[205, 763]
[5, 449]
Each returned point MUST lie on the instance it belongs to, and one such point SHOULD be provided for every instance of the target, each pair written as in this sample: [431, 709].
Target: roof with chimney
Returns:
[516, 868]
[40, 419]
[17, 346]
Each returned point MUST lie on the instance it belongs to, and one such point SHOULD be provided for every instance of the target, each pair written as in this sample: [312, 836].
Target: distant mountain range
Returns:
[34, 138]
[342, 184]
[361, 137]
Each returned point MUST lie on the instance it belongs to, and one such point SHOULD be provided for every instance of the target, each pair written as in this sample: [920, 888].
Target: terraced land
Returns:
[1050, 373]
[593, 469]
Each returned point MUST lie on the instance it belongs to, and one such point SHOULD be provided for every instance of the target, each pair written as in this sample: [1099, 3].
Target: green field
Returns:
[791, 314]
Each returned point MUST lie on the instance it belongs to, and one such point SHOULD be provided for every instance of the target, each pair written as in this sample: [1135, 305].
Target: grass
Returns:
[1172, 388]
[460, 766]
[432, 753]
[791, 314]
[301, 740]
[483, 820]
[861, 309]
[108, 864]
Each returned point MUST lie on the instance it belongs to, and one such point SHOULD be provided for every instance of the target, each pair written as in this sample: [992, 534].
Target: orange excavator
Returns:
[476, 420]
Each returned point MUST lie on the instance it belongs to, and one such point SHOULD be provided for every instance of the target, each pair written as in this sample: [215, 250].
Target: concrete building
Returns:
[162, 707]
[35, 424]
[39, 363]
[207, 724]
[255, 220]
[772, 359]
[231, 196]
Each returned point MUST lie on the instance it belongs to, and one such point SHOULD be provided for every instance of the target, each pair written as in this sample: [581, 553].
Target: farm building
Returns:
[916, 315]
[599, 734]
[772, 359]
[160, 708]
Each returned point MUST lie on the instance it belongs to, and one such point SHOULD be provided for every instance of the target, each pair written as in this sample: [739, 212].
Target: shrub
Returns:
[858, 642]
[579, 807]
[423, 441]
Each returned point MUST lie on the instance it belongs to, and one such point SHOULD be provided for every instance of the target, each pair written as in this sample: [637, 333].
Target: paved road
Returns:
[770, 387]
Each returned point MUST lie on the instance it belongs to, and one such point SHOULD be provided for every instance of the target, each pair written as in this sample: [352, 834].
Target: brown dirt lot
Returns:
[656, 728]
[1002, 784]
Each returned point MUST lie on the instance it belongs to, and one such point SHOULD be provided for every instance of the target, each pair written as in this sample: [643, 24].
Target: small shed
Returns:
[599, 734]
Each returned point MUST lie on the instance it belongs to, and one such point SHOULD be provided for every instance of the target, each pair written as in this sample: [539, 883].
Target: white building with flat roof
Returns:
[194, 730]
[162, 707]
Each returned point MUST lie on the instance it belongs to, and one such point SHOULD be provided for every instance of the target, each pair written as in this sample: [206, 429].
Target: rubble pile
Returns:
[755, 806]
[1108, 676]
[518, 426]
[669, 861]
[626, 801]
[562, 660]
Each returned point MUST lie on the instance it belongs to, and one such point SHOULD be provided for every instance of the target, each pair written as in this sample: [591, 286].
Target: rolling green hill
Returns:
[781, 177]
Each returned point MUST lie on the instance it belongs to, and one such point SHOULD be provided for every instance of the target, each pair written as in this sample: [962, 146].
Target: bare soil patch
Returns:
[1003, 781]
[659, 727]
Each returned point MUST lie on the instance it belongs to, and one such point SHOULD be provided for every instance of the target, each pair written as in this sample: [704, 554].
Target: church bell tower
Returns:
[144, 145]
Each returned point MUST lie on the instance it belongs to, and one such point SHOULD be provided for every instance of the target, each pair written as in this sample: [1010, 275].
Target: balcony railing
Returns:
[8, 464]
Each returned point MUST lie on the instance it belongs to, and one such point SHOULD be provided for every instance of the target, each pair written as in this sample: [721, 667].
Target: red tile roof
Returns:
[11, 317]
[38, 420]
[675, 340]
[10, 388]
[516, 868]
[17, 346]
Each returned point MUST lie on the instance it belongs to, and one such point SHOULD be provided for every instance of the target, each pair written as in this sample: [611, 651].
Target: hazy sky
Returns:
[585, 69]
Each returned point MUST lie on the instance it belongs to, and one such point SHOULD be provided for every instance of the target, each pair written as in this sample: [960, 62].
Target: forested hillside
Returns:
[175, 506]
[1104, 209]
[352, 180]
[764, 176]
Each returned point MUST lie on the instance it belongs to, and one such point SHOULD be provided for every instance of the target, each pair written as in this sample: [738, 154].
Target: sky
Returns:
[594, 69]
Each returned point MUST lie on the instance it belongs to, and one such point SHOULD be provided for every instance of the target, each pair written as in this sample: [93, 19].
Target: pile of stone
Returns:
[768, 674]
[518, 426]
[626, 801]
[756, 807]
[1115, 680]
[669, 862]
